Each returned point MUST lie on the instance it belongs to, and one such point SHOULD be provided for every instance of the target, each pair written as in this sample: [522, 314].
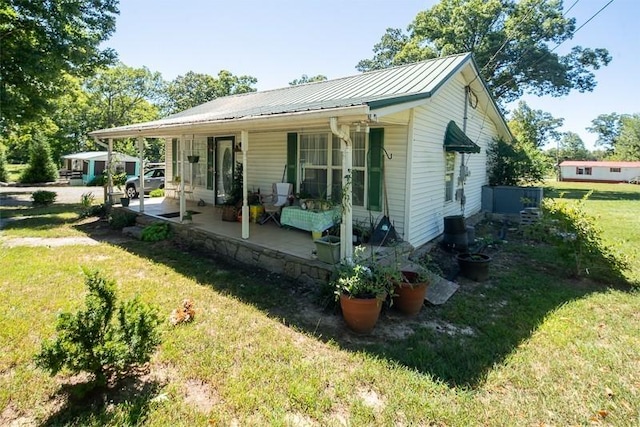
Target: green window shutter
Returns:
[375, 170]
[292, 158]
[174, 158]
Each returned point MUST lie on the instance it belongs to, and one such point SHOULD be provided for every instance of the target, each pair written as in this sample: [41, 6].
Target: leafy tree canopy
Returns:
[607, 127]
[628, 145]
[306, 79]
[534, 127]
[193, 89]
[513, 42]
[122, 95]
[618, 134]
[41, 41]
[572, 147]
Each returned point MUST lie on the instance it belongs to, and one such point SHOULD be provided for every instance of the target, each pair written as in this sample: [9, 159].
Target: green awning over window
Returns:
[456, 140]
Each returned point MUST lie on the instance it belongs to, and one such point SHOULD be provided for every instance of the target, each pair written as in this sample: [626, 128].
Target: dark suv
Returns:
[153, 178]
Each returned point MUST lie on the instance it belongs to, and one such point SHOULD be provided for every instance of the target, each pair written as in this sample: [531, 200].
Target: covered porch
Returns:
[281, 250]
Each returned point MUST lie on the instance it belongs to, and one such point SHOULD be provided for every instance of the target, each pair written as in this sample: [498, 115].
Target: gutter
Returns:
[284, 120]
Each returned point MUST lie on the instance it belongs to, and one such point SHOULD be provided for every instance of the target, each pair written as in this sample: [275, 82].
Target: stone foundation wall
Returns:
[304, 271]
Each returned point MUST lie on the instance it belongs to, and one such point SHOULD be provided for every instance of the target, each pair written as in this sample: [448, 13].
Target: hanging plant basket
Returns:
[193, 159]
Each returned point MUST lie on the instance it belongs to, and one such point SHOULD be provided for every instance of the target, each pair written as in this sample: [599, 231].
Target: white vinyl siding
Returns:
[427, 205]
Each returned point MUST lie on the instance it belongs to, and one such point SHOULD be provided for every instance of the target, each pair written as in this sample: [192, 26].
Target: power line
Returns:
[559, 44]
[533, 6]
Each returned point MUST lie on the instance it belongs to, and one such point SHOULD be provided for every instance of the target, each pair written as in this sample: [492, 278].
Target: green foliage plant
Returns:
[511, 163]
[235, 195]
[578, 239]
[4, 175]
[44, 197]
[364, 277]
[87, 199]
[41, 167]
[158, 192]
[120, 218]
[105, 339]
[156, 232]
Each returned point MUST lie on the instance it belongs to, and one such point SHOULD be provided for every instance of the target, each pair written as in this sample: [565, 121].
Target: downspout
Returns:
[462, 177]
[346, 226]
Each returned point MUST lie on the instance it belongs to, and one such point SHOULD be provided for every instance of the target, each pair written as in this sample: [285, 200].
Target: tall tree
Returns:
[41, 167]
[512, 41]
[572, 147]
[122, 95]
[41, 41]
[306, 79]
[607, 127]
[628, 145]
[193, 89]
[534, 127]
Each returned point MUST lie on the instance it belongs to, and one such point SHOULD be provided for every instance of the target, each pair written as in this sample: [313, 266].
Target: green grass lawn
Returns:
[531, 346]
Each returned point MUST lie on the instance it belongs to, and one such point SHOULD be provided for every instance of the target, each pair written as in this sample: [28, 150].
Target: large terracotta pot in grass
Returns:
[360, 314]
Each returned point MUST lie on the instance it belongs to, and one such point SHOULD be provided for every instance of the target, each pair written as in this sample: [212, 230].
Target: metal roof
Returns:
[376, 89]
[604, 164]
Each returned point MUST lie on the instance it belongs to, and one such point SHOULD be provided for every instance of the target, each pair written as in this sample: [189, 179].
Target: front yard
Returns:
[531, 346]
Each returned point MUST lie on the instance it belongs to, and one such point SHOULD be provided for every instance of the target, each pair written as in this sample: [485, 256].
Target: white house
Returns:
[581, 170]
[412, 138]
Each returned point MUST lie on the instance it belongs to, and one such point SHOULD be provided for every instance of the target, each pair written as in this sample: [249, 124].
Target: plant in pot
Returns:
[234, 199]
[410, 291]
[474, 266]
[361, 291]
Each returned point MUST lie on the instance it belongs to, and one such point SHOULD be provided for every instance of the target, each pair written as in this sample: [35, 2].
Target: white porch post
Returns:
[244, 140]
[141, 172]
[108, 196]
[183, 200]
[346, 227]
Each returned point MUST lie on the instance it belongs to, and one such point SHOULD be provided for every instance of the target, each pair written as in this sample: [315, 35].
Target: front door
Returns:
[220, 166]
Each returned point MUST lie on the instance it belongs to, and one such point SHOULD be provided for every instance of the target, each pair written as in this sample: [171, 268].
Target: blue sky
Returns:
[279, 40]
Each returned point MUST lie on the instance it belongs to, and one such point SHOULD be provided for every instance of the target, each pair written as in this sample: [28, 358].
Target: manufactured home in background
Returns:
[84, 167]
[590, 171]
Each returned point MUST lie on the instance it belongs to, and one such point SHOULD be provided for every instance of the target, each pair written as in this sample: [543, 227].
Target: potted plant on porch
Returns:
[234, 199]
[361, 290]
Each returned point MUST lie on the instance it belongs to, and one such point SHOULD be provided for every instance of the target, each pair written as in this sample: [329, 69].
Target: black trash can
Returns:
[455, 234]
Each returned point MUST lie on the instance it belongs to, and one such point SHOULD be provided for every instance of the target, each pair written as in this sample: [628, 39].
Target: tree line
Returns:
[57, 83]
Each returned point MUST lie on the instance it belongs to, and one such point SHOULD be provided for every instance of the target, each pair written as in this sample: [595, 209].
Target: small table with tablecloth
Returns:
[309, 220]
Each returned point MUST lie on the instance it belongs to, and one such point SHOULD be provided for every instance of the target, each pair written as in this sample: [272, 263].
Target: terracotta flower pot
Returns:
[360, 314]
[409, 297]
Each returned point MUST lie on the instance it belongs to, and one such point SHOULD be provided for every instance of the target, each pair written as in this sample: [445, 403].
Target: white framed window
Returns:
[321, 166]
[615, 170]
[449, 171]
